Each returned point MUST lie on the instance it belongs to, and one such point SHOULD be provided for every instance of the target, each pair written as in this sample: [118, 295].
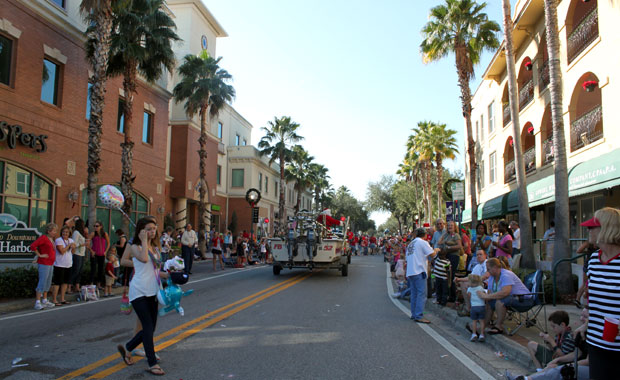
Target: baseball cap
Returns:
[591, 223]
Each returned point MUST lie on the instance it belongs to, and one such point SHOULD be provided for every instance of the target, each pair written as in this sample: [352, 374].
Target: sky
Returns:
[350, 72]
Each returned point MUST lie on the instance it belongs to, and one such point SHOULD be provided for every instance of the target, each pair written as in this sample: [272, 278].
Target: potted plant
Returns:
[589, 85]
[528, 65]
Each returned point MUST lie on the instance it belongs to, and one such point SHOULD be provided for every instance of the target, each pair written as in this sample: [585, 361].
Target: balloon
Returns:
[111, 197]
[171, 298]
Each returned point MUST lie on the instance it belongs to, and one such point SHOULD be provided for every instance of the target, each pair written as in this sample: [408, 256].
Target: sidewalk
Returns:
[201, 268]
[512, 347]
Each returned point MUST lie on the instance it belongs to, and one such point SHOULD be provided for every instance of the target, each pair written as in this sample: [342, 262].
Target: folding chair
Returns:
[528, 315]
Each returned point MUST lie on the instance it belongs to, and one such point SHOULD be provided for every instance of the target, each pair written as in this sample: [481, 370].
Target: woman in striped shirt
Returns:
[604, 293]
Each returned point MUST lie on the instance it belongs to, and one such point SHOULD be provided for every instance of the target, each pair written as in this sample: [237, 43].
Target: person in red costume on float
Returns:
[326, 218]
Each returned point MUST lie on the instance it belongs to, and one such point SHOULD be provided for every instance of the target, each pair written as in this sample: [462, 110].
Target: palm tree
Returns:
[562, 231]
[299, 171]
[97, 14]
[410, 170]
[460, 27]
[444, 145]
[204, 87]
[527, 253]
[320, 180]
[276, 144]
[422, 144]
[141, 43]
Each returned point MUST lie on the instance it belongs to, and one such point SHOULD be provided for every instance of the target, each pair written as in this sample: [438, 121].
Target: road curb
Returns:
[511, 349]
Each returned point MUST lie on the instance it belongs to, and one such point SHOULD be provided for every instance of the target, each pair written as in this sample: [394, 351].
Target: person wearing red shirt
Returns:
[217, 243]
[45, 252]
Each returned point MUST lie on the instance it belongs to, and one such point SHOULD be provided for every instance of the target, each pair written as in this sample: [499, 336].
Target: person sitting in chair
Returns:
[505, 290]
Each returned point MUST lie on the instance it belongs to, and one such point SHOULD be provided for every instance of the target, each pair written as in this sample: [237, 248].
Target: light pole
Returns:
[252, 196]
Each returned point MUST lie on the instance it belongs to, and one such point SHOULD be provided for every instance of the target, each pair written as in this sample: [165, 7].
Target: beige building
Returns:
[589, 63]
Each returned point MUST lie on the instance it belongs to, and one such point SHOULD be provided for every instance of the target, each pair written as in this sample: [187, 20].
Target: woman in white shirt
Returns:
[143, 290]
[79, 253]
[62, 265]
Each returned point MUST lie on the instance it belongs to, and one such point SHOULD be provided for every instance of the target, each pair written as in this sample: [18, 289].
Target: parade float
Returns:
[312, 241]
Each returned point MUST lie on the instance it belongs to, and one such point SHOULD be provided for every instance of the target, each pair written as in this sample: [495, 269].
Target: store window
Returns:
[147, 128]
[120, 120]
[219, 175]
[49, 86]
[6, 59]
[237, 177]
[113, 219]
[25, 195]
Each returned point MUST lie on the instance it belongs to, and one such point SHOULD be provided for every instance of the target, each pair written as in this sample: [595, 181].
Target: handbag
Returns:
[125, 305]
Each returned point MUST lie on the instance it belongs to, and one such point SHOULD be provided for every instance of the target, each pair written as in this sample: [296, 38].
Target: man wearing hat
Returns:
[419, 252]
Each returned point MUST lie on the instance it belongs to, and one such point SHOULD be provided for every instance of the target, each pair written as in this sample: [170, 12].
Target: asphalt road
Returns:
[244, 324]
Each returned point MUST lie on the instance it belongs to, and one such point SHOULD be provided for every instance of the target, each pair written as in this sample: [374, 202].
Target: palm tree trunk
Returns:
[298, 204]
[283, 226]
[99, 64]
[202, 190]
[127, 177]
[463, 79]
[561, 248]
[429, 196]
[525, 224]
[438, 162]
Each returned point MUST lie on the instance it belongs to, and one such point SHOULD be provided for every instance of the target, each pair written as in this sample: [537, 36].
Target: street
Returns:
[248, 324]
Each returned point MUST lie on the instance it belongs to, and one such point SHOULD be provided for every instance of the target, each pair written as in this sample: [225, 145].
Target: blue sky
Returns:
[349, 72]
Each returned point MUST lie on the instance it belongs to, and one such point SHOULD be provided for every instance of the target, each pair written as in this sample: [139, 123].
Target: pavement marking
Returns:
[283, 285]
[78, 304]
[464, 359]
[197, 329]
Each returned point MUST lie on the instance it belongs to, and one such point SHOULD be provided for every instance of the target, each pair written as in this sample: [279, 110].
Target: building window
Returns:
[481, 175]
[147, 128]
[245, 142]
[477, 131]
[219, 175]
[113, 219]
[237, 177]
[25, 195]
[260, 181]
[491, 118]
[49, 87]
[60, 3]
[492, 168]
[220, 128]
[237, 140]
[6, 59]
[120, 121]
[88, 92]
[266, 185]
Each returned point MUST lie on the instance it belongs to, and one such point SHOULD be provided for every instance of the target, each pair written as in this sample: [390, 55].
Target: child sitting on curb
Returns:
[562, 344]
[478, 309]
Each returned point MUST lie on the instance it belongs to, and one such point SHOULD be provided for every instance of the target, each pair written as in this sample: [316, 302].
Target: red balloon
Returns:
[266, 220]
[343, 218]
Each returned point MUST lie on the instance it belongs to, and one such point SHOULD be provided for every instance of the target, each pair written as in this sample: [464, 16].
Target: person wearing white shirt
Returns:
[188, 245]
[462, 283]
[516, 242]
[418, 252]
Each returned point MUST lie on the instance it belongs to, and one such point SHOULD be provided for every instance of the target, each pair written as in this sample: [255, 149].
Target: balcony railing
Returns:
[509, 171]
[529, 158]
[584, 131]
[583, 34]
[507, 116]
[221, 148]
[548, 151]
[544, 77]
[526, 94]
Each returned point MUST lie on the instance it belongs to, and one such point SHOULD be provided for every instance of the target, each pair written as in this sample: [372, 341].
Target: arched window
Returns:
[546, 128]
[26, 195]
[543, 65]
[586, 113]
[525, 83]
[509, 161]
[506, 106]
[581, 26]
[529, 147]
[113, 219]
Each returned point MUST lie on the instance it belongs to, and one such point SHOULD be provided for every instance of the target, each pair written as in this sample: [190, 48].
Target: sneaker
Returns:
[473, 338]
[38, 306]
[510, 376]
[47, 305]
[395, 295]
[481, 338]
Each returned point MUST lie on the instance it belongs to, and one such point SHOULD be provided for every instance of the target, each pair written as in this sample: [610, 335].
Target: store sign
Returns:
[458, 191]
[13, 134]
[15, 238]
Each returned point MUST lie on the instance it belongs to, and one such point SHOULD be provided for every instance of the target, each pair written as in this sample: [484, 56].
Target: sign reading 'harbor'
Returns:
[14, 133]
[15, 238]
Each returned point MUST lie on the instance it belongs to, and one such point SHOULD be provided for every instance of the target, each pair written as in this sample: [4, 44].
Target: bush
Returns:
[18, 282]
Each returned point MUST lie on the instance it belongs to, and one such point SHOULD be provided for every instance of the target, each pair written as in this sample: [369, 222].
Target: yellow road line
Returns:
[110, 358]
[196, 329]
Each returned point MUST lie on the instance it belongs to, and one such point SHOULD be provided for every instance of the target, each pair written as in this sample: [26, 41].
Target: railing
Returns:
[507, 117]
[526, 94]
[529, 158]
[544, 76]
[584, 131]
[583, 34]
[548, 150]
[221, 148]
[509, 171]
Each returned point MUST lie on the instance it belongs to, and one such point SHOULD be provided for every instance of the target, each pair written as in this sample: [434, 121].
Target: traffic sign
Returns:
[458, 191]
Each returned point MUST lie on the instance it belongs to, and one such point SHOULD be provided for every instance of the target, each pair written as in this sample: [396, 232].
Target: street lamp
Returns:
[252, 196]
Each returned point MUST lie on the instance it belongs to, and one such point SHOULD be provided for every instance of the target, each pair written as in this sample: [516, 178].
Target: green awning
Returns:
[489, 209]
[600, 173]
